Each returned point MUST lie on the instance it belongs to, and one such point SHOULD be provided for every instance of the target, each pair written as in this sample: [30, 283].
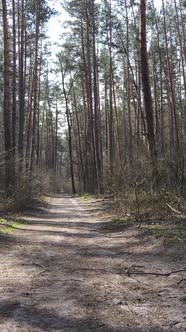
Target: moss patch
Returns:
[7, 227]
[173, 234]
[118, 224]
[172, 231]
[2, 220]
[43, 199]
[86, 196]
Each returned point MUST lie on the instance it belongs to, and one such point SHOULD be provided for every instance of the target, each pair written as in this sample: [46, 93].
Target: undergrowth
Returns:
[161, 214]
[146, 205]
[175, 234]
[28, 190]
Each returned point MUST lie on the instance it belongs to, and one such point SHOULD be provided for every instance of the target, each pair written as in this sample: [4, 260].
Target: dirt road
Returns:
[62, 271]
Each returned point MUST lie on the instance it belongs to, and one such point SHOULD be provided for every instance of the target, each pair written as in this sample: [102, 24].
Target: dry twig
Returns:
[180, 281]
[173, 209]
[38, 265]
[129, 272]
[167, 274]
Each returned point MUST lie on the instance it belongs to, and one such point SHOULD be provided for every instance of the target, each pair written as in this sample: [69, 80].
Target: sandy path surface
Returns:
[61, 271]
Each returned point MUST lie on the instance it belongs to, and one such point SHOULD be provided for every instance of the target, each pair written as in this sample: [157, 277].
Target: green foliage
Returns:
[45, 11]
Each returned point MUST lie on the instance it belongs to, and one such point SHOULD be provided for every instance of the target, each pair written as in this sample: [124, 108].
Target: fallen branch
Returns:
[180, 281]
[173, 209]
[38, 265]
[99, 270]
[44, 271]
[167, 274]
[129, 272]
[72, 279]
[133, 265]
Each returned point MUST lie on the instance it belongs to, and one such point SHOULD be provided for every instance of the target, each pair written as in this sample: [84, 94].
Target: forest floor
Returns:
[65, 269]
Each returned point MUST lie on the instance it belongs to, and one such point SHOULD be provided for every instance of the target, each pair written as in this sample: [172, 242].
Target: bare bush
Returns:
[28, 189]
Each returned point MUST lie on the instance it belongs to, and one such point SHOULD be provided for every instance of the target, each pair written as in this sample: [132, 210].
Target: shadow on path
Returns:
[47, 320]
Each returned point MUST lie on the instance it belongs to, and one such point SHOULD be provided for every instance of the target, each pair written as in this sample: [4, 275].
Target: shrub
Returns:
[28, 189]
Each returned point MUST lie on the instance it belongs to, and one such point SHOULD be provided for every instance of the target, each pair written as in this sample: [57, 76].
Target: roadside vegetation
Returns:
[106, 118]
[161, 215]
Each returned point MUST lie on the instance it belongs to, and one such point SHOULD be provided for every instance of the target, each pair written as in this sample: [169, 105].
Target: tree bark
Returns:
[69, 132]
[21, 84]
[14, 91]
[147, 96]
[6, 104]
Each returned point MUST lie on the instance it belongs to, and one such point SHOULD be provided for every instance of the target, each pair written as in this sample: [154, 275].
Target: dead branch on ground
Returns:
[167, 274]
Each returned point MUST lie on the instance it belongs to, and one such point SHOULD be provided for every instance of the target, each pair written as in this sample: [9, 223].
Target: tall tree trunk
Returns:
[82, 162]
[35, 85]
[96, 108]
[130, 141]
[21, 84]
[171, 95]
[56, 137]
[147, 96]
[90, 82]
[69, 132]
[14, 91]
[6, 105]
[111, 131]
[161, 115]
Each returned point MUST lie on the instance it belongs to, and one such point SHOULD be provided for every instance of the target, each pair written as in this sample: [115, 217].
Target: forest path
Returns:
[62, 271]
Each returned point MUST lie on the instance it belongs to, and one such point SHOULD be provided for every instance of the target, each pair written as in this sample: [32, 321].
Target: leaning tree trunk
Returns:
[147, 96]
